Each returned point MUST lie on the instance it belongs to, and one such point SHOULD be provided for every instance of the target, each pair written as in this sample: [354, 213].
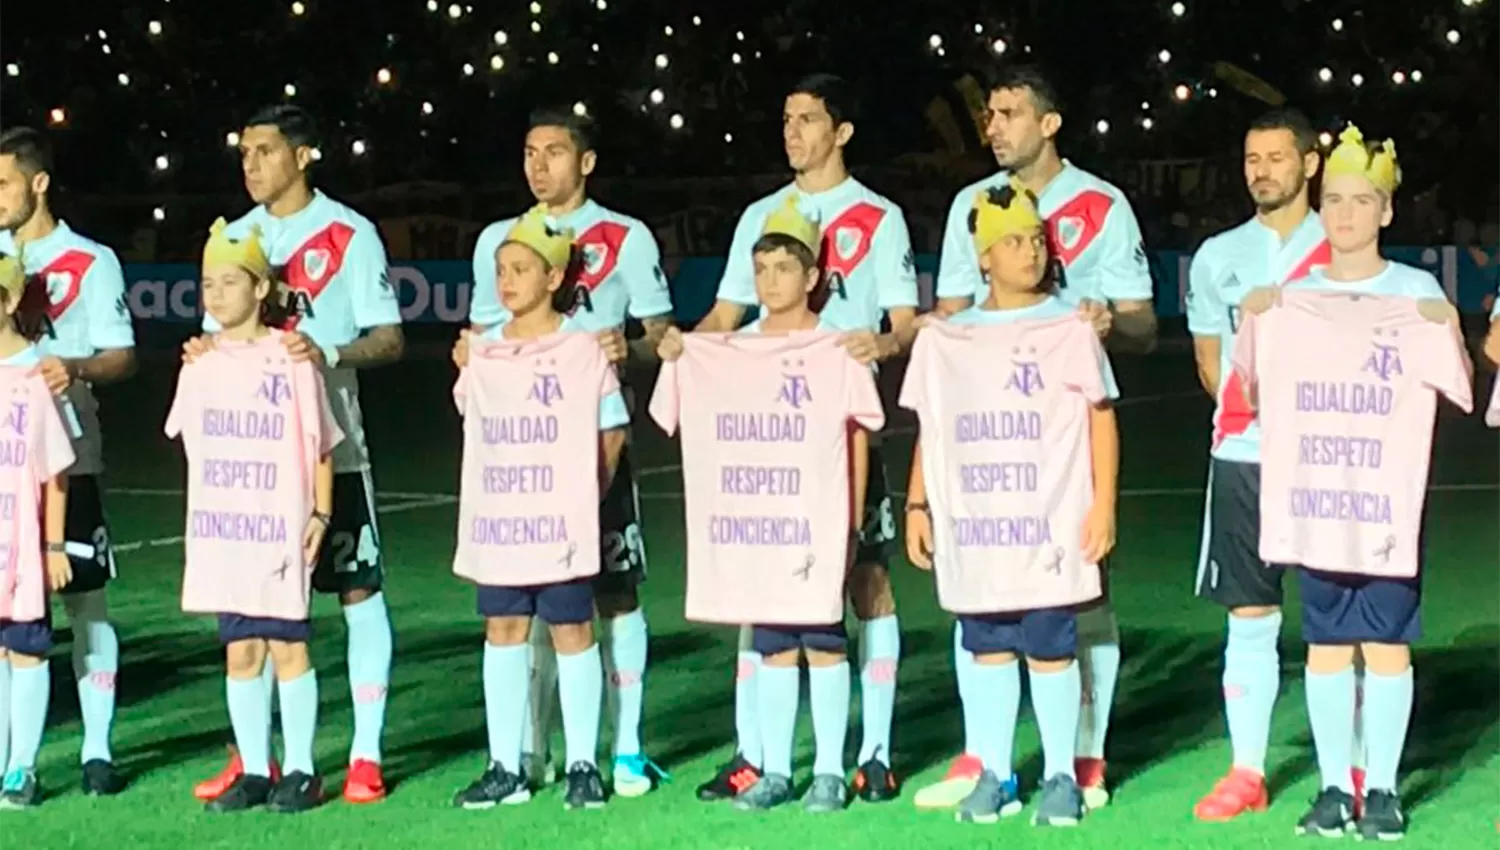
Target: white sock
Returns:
[96, 663]
[881, 651]
[251, 722]
[30, 691]
[299, 722]
[828, 691]
[1359, 717]
[4, 713]
[370, 650]
[580, 681]
[536, 723]
[626, 644]
[746, 702]
[507, 682]
[1099, 668]
[964, 670]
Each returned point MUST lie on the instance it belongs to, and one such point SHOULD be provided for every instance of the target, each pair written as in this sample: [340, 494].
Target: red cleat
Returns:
[1357, 775]
[1241, 790]
[210, 789]
[1090, 774]
[364, 784]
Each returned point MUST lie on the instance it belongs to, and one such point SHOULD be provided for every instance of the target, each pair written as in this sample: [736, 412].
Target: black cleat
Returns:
[101, 779]
[585, 787]
[731, 780]
[20, 790]
[495, 787]
[875, 782]
[1382, 819]
[296, 792]
[1331, 815]
[244, 793]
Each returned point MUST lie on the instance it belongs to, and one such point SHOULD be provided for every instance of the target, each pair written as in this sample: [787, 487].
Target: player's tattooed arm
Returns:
[953, 306]
[106, 367]
[1206, 352]
[379, 346]
[643, 350]
[1133, 330]
[903, 332]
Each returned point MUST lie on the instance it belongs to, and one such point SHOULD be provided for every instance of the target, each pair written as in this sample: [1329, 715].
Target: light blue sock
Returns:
[250, 718]
[779, 691]
[1388, 702]
[507, 688]
[747, 722]
[580, 679]
[1252, 678]
[4, 713]
[828, 690]
[627, 640]
[1099, 669]
[1055, 699]
[268, 699]
[996, 691]
[96, 664]
[299, 722]
[370, 649]
[30, 690]
[1330, 712]
[963, 669]
[881, 651]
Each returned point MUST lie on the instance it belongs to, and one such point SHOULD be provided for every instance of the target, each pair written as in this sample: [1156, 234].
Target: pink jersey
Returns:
[765, 463]
[34, 447]
[254, 425]
[528, 508]
[1347, 392]
[1492, 413]
[1007, 459]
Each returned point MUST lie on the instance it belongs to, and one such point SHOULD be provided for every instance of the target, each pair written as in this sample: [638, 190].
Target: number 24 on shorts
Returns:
[348, 556]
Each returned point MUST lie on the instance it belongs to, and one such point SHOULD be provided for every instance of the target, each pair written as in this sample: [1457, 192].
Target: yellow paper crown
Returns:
[554, 244]
[245, 252]
[12, 277]
[1376, 163]
[788, 220]
[999, 213]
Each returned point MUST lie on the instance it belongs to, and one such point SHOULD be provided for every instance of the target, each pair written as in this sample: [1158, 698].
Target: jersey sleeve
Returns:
[484, 296]
[913, 395]
[896, 265]
[1442, 362]
[182, 400]
[1124, 274]
[104, 300]
[958, 267]
[864, 407]
[737, 286]
[666, 398]
[1206, 313]
[373, 296]
[645, 282]
[56, 453]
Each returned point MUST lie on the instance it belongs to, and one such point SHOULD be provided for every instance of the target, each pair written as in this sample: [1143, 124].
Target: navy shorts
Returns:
[557, 604]
[1049, 634]
[233, 627]
[1338, 608]
[774, 640]
[32, 637]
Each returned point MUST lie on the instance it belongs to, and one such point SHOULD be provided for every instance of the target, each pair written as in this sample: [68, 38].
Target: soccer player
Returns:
[1284, 241]
[537, 284]
[1093, 233]
[621, 275]
[347, 320]
[280, 476]
[867, 260]
[1011, 243]
[34, 496]
[1344, 613]
[90, 342]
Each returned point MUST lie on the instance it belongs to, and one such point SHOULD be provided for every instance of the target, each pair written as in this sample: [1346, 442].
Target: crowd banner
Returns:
[438, 290]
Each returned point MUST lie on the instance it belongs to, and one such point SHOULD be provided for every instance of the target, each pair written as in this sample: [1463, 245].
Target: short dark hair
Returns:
[1031, 78]
[580, 127]
[769, 242]
[1293, 120]
[835, 92]
[32, 150]
[293, 122]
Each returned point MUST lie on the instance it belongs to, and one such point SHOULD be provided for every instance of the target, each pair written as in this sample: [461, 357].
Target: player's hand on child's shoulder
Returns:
[919, 537]
[670, 347]
[461, 349]
[1261, 299]
[196, 347]
[612, 340]
[863, 346]
[301, 348]
[1438, 310]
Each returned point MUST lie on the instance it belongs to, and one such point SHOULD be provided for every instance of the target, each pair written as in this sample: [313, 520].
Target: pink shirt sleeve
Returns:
[461, 389]
[665, 400]
[1244, 357]
[864, 407]
[317, 409]
[914, 383]
[1442, 364]
[181, 400]
[57, 449]
[1086, 365]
